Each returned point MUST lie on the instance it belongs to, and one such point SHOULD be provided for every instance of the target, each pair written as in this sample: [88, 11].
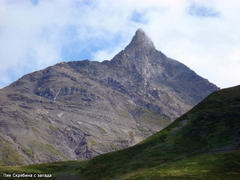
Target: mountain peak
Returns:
[141, 40]
[78, 108]
[140, 31]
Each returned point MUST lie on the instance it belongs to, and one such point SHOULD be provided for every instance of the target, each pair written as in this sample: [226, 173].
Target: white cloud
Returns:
[33, 35]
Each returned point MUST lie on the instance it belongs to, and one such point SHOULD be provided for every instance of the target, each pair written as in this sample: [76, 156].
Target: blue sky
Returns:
[202, 11]
[199, 33]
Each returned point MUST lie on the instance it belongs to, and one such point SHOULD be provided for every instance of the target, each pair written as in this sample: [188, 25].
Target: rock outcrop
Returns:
[80, 109]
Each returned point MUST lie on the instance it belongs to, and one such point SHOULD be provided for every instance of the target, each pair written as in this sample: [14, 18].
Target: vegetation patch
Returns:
[202, 144]
[9, 155]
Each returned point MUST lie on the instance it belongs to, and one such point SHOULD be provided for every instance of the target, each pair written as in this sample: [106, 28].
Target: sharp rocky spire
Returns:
[141, 41]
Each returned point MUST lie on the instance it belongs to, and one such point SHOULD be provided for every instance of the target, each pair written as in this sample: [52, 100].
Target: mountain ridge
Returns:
[80, 109]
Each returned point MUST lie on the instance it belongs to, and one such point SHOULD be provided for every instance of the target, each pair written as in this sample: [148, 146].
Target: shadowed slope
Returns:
[78, 110]
[210, 127]
[201, 144]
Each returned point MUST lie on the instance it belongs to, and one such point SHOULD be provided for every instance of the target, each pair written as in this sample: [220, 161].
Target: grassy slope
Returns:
[197, 141]
[60, 170]
[222, 166]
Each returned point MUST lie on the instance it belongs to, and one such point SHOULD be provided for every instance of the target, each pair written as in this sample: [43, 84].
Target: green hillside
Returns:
[202, 144]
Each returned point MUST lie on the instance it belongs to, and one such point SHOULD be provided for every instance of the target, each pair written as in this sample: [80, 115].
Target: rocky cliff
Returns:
[80, 109]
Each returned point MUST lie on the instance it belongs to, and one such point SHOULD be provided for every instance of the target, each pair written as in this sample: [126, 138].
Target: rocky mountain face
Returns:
[204, 143]
[80, 109]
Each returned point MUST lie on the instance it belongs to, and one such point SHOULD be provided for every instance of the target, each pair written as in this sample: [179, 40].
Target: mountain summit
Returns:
[140, 47]
[141, 41]
[80, 109]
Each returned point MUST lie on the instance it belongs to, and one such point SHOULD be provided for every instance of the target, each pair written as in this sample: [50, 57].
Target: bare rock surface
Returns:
[80, 109]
